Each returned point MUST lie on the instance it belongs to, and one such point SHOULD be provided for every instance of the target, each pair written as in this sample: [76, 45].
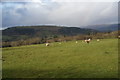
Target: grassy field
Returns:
[66, 60]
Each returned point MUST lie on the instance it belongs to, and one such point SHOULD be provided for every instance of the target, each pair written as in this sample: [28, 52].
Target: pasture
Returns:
[65, 60]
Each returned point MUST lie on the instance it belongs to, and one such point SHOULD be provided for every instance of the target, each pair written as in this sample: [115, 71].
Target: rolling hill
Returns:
[25, 32]
[44, 31]
[105, 27]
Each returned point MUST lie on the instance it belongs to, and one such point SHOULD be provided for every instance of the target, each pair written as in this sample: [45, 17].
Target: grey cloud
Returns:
[79, 14]
[61, 13]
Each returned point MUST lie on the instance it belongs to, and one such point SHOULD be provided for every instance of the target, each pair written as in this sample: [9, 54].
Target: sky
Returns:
[71, 13]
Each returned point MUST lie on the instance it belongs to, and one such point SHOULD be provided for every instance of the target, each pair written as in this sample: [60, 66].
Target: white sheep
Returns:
[88, 40]
[119, 37]
[76, 41]
[47, 44]
[98, 40]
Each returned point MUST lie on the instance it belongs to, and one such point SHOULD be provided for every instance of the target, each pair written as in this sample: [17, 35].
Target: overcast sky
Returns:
[58, 12]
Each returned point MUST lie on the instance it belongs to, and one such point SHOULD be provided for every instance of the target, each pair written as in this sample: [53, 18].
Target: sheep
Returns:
[98, 40]
[88, 40]
[47, 44]
[76, 41]
[119, 37]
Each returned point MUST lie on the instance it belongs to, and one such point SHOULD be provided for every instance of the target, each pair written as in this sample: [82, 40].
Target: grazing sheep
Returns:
[98, 40]
[88, 40]
[76, 41]
[119, 37]
[47, 44]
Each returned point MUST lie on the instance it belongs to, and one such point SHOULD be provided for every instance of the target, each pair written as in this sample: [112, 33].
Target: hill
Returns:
[104, 27]
[25, 32]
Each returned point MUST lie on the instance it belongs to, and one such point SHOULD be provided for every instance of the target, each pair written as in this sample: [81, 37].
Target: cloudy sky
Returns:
[58, 12]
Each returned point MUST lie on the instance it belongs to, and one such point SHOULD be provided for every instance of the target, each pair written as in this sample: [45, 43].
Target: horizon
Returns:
[86, 27]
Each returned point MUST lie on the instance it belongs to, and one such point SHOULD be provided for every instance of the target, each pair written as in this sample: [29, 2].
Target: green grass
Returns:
[66, 60]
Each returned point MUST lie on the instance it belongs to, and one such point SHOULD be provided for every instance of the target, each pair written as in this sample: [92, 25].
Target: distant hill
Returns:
[43, 31]
[105, 27]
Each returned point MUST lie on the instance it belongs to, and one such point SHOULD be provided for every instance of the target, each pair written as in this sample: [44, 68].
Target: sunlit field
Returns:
[65, 60]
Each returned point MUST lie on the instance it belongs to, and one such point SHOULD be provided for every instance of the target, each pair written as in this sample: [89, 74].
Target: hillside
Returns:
[65, 60]
[25, 32]
[105, 27]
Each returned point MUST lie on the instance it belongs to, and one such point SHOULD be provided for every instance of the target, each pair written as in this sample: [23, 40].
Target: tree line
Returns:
[38, 40]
